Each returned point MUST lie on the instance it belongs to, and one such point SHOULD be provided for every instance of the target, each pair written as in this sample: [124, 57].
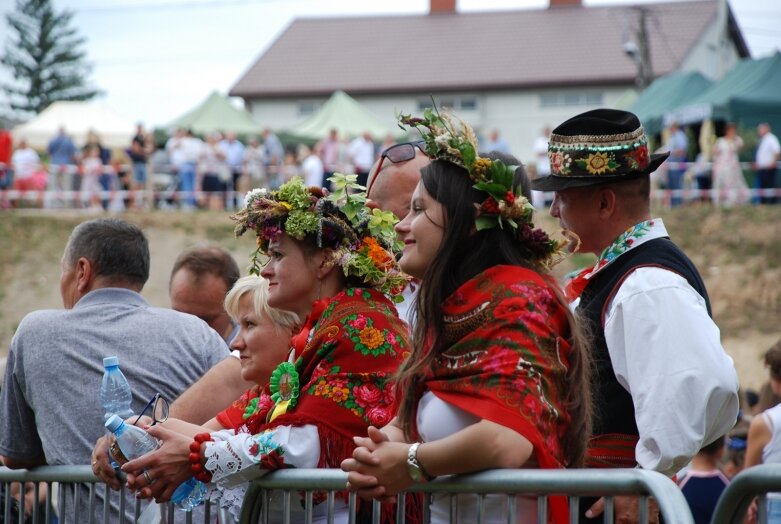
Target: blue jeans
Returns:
[675, 181]
[139, 173]
[187, 182]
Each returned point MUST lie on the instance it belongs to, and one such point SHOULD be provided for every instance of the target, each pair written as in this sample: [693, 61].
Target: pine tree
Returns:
[45, 56]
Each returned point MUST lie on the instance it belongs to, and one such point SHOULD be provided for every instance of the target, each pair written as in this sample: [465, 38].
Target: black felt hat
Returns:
[596, 147]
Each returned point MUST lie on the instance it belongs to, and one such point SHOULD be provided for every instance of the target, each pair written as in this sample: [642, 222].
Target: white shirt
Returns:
[541, 152]
[313, 170]
[771, 453]
[666, 352]
[767, 150]
[25, 162]
[361, 152]
[437, 419]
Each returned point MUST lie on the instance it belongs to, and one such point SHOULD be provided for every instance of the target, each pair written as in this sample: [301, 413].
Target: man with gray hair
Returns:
[49, 403]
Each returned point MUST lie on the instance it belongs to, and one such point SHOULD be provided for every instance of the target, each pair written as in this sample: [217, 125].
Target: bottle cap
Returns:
[114, 422]
[110, 361]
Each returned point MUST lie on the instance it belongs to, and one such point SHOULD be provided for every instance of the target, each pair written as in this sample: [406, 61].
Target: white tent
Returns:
[78, 118]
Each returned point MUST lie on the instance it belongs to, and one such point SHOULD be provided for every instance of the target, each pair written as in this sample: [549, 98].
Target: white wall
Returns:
[713, 55]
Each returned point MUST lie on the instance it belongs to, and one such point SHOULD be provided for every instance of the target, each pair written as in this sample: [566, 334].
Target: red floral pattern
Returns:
[511, 367]
[345, 369]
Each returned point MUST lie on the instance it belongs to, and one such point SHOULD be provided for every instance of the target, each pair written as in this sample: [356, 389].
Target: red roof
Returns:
[565, 45]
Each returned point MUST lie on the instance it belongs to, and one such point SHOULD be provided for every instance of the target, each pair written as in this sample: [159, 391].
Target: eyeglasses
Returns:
[159, 407]
[397, 153]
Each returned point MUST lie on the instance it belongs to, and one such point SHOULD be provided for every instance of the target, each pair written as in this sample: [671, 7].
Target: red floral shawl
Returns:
[345, 356]
[507, 354]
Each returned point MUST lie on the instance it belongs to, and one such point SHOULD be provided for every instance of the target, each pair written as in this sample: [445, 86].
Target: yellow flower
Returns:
[371, 337]
[597, 163]
[322, 389]
[286, 205]
[339, 394]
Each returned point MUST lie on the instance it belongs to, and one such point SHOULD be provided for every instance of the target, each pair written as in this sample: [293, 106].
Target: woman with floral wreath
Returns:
[330, 261]
[498, 375]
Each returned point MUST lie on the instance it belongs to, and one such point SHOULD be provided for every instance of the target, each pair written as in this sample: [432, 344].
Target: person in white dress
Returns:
[729, 184]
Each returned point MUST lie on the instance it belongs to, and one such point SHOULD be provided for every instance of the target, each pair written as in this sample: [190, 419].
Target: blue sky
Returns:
[156, 59]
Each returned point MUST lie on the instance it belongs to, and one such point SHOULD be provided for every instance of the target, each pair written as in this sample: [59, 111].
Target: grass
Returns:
[738, 252]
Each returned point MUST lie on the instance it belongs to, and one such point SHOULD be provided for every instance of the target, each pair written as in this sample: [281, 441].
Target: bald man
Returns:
[392, 185]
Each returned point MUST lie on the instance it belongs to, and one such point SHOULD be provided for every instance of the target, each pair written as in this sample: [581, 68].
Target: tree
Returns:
[45, 56]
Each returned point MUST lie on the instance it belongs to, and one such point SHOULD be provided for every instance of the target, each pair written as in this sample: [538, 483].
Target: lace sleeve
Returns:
[233, 460]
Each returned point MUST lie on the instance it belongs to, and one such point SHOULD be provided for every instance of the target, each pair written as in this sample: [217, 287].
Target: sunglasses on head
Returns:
[397, 153]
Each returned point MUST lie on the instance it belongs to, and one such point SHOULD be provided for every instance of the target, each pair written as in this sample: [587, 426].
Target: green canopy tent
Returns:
[749, 94]
[217, 113]
[346, 115]
[665, 94]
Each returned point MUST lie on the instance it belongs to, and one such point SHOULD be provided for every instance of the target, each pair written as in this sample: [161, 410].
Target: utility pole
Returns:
[645, 73]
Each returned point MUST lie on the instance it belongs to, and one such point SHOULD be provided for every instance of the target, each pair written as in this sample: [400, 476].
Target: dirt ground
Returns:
[737, 251]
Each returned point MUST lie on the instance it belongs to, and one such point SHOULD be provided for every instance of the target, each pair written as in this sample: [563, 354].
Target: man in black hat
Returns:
[663, 385]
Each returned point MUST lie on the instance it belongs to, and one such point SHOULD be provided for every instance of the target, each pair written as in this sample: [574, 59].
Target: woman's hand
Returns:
[378, 469]
[167, 467]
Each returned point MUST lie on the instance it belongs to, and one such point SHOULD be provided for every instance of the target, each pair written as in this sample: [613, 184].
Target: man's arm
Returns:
[667, 353]
[212, 393]
[17, 463]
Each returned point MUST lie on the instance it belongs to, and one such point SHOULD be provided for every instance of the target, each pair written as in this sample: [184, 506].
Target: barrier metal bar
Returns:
[749, 483]
[573, 482]
[69, 478]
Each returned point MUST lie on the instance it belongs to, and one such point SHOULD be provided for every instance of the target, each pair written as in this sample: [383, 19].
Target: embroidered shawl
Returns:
[345, 356]
[506, 356]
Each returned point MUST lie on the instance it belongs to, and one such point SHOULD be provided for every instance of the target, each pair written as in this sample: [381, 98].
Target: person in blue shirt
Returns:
[704, 482]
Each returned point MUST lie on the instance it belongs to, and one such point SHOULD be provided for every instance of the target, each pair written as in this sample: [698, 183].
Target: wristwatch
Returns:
[415, 470]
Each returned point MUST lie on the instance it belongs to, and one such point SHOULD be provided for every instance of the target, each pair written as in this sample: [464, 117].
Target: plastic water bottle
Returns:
[132, 440]
[115, 394]
[189, 494]
[135, 442]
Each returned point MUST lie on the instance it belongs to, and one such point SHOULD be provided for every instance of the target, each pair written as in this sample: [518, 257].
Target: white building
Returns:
[510, 71]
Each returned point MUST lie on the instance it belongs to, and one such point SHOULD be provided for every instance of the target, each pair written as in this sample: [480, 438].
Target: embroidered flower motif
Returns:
[622, 244]
[638, 159]
[378, 416]
[339, 394]
[560, 162]
[598, 163]
[368, 339]
[367, 394]
[371, 337]
[321, 389]
[359, 322]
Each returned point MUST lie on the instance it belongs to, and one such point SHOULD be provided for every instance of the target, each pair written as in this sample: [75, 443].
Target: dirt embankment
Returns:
[738, 252]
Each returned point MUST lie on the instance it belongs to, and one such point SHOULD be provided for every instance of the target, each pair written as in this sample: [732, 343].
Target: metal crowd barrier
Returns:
[69, 481]
[541, 483]
[753, 482]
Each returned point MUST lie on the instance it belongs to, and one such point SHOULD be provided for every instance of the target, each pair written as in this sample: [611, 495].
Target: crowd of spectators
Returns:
[484, 348]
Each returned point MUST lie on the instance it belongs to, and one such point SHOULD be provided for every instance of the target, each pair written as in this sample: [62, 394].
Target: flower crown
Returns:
[454, 141]
[363, 240]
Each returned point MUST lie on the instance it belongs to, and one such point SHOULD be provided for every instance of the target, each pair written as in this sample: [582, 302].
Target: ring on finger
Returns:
[148, 477]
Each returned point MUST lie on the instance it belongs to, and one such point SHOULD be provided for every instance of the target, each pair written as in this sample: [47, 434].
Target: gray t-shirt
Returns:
[50, 401]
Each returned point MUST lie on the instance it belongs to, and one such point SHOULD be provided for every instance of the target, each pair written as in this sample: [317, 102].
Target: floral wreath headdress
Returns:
[453, 140]
[363, 240]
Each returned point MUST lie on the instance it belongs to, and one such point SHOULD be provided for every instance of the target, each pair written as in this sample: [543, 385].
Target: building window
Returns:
[307, 108]
[463, 103]
[569, 99]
